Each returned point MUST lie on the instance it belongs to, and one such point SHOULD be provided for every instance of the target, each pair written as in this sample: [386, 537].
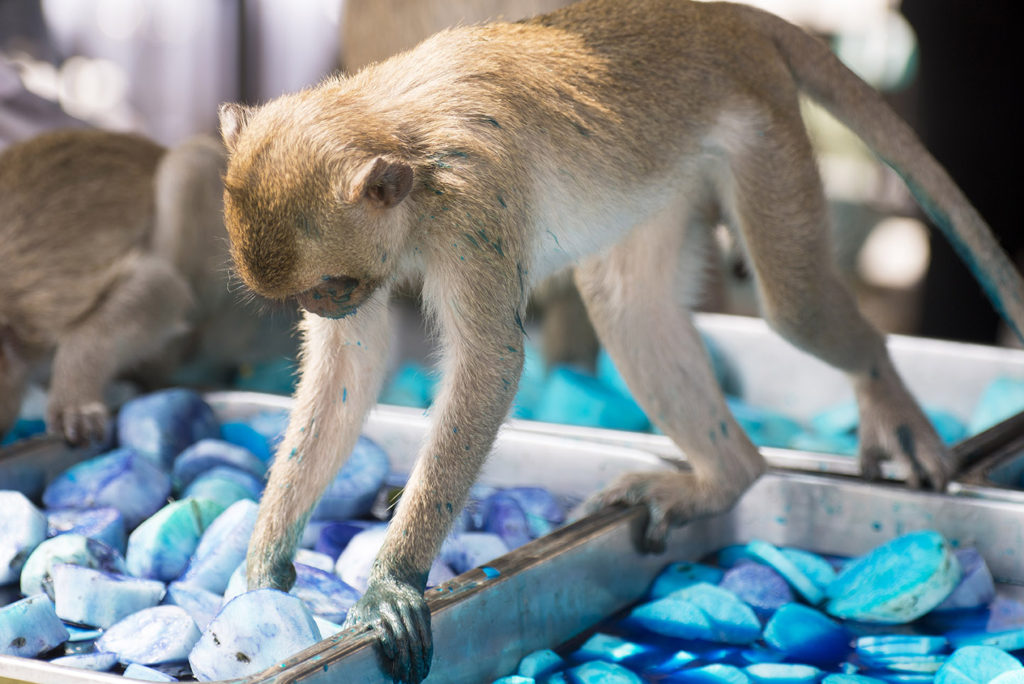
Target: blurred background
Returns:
[161, 68]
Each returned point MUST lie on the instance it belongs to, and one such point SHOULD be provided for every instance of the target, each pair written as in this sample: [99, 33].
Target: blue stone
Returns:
[102, 524]
[252, 632]
[23, 428]
[122, 478]
[465, 551]
[1011, 677]
[335, 536]
[884, 645]
[677, 576]
[806, 635]
[973, 664]
[326, 627]
[759, 586]
[67, 548]
[1000, 614]
[840, 678]
[99, 599]
[764, 427]
[200, 604]
[315, 559]
[207, 454]
[514, 679]
[543, 512]
[540, 664]
[97, 662]
[222, 547]
[732, 621]
[841, 419]
[161, 634]
[160, 425]
[710, 674]
[411, 385]
[29, 627]
[673, 617]
[950, 428]
[148, 674]
[576, 398]
[324, 593]
[976, 587]
[609, 648]
[354, 488]
[160, 548]
[813, 566]
[504, 517]
[1007, 640]
[225, 486]
[1003, 398]
[896, 582]
[825, 444]
[677, 660]
[599, 672]
[782, 673]
[790, 571]
[246, 436]
[23, 530]
[354, 563]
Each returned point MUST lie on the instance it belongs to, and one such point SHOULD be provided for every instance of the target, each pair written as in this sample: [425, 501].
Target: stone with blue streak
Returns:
[1007, 639]
[102, 524]
[161, 634]
[222, 547]
[68, 548]
[896, 582]
[901, 652]
[676, 576]
[600, 672]
[539, 664]
[225, 485]
[611, 649]
[504, 517]
[22, 530]
[673, 617]
[465, 551]
[200, 604]
[160, 425]
[207, 454]
[543, 512]
[259, 433]
[100, 599]
[576, 398]
[121, 478]
[807, 635]
[148, 674]
[976, 587]
[759, 586]
[716, 673]
[335, 536]
[160, 548]
[774, 557]
[324, 593]
[732, 620]
[354, 488]
[252, 632]
[97, 662]
[973, 664]
[30, 626]
[782, 673]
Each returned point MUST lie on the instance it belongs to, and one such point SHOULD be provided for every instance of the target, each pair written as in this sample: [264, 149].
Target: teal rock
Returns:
[97, 662]
[575, 398]
[100, 599]
[841, 419]
[1007, 640]
[252, 632]
[732, 621]
[225, 486]
[411, 385]
[200, 604]
[674, 662]
[609, 648]
[806, 635]
[67, 548]
[896, 582]
[514, 679]
[599, 672]
[160, 548]
[76, 634]
[23, 428]
[23, 529]
[160, 425]
[148, 674]
[540, 664]
[813, 566]
[673, 617]
[121, 478]
[712, 674]
[678, 576]
[976, 664]
[873, 651]
[29, 627]
[784, 565]
[465, 551]
[354, 488]
[272, 376]
[782, 673]
[162, 634]
[207, 454]
[1011, 677]
[247, 437]
[1003, 398]
[850, 679]
[845, 445]
[222, 547]
[102, 524]
[764, 426]
[326, 627]
[950, 428]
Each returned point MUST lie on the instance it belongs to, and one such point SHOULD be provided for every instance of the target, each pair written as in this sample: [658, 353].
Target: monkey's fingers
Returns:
[394, 640]
[81, 424]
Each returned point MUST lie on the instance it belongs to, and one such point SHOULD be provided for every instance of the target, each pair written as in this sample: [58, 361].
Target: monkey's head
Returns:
[311, 215]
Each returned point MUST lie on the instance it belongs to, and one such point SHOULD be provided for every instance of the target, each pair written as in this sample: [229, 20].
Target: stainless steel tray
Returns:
[557, 586]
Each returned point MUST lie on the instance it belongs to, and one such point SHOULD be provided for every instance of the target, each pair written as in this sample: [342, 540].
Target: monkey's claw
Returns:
[80, 424]
[398, 615]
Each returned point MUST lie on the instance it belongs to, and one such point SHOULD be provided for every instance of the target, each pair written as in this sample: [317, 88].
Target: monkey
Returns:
[490, 156]
[114, 255]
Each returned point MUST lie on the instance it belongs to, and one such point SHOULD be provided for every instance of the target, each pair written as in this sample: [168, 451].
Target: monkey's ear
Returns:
[383, 182]
[233, 119]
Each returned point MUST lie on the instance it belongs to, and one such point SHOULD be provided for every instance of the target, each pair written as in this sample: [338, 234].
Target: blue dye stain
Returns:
[292, 452]
[455, 430]
[325, 278]
[344, 394]
[724, 428]
[501, 201]
[448, 506]
[383, 257]
[462, 258]
[490, 572]
[555, 238]
[582, 130]
[519, 323]
[472, 240]
[494, 122]
[876, 526]
[512, 349]
[713, 436]
[438, 505]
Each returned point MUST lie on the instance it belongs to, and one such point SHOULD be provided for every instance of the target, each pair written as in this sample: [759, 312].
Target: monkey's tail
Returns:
[825, 79]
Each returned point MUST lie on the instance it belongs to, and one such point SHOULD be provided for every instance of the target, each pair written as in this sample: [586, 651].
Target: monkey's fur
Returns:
[490, 156]
[113, 253]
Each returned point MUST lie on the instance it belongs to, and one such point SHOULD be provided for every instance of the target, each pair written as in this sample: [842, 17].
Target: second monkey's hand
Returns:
[397, 613]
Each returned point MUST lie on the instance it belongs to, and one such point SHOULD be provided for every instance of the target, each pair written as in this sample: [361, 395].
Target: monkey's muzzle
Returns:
[335, 297]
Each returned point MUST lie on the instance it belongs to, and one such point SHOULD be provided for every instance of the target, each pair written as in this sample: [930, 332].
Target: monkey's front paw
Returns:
[398, 614]
[79, 423]
[910, 440]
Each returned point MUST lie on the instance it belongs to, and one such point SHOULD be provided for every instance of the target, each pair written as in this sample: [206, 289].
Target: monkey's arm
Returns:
[342, 364]
[482, 341]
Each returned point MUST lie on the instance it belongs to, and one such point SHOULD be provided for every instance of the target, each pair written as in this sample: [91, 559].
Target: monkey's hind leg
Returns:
[144, 308]
[638, 297]
[772, 194]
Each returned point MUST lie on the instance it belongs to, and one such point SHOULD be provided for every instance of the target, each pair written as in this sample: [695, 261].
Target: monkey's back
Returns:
[74, 206]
